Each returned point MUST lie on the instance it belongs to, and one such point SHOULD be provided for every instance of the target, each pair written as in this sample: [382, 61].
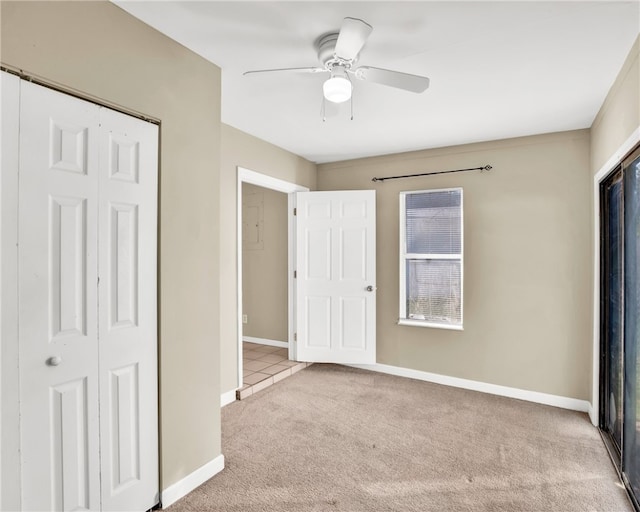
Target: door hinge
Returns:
[295, 274]
[295, 336]
[295, 211]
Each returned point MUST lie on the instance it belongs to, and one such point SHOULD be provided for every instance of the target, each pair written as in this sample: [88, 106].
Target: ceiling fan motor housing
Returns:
[327, 52]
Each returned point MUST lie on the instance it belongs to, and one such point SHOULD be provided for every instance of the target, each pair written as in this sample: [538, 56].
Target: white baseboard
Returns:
[263, 341]
[521, 394]
[180, 489]
[227, 398]
[593, 416]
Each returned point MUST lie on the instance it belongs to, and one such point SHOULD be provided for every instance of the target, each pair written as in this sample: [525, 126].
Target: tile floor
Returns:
[263, 365]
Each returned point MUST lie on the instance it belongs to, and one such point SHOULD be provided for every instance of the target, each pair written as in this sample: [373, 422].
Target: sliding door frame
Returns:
[596, 413]
[609, 167]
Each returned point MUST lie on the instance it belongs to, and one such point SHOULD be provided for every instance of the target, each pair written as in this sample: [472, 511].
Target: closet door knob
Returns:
[54, 361]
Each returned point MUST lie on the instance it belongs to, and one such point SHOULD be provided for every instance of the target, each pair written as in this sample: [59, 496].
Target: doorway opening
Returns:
[265, 269]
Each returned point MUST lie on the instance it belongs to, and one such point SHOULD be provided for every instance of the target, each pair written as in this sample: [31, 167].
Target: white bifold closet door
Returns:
[87, 222]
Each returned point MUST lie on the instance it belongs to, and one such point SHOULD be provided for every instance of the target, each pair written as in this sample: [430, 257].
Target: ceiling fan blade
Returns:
[287, 70]
[406, 81]
[353, 35]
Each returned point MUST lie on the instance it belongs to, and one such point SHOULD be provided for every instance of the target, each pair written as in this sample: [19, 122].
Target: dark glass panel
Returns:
[631, 434]
[612, 306]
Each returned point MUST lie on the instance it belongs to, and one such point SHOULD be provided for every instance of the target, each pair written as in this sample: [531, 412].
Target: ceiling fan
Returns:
[338, 53]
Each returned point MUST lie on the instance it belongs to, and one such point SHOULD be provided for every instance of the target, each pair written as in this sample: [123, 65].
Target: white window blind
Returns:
[431, 258]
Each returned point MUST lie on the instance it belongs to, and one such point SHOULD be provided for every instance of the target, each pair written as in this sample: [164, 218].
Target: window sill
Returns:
[423, 323]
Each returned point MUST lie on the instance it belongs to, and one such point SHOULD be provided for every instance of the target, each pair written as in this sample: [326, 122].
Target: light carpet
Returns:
[333, 438]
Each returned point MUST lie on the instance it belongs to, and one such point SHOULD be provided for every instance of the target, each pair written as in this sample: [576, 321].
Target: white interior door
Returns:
[87, 305]
[336, 276]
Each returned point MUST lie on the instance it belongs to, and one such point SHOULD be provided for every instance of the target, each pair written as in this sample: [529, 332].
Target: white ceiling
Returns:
[497, 69]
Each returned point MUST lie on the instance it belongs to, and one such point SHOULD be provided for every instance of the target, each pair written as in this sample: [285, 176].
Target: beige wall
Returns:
[265, 291]
[240, 149]
[527, 273]
[619, 115]
[99, 50]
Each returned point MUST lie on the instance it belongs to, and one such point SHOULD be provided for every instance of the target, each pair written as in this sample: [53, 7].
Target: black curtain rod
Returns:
[485, 168]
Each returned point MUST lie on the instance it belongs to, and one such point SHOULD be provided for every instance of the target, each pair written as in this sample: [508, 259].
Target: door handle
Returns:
[370, 288]
[54, 361]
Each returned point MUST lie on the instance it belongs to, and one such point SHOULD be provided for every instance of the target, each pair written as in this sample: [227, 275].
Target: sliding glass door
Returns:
[620, 313]
[612, 286]
[631, 432]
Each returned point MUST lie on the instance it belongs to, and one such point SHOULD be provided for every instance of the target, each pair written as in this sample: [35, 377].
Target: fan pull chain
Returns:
[323, 108]
[352, 106]
[323, 112]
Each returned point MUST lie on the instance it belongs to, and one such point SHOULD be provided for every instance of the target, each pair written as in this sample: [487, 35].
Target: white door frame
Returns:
[10, 470]
[604, 171]
[262, 180]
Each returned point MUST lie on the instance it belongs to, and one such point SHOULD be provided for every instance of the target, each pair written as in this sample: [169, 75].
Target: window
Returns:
[431, 258]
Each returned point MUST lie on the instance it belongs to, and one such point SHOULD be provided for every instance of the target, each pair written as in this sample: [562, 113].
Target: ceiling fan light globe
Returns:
[337, 89]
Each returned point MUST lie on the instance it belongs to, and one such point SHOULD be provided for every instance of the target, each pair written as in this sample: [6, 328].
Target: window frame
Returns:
[404, 256]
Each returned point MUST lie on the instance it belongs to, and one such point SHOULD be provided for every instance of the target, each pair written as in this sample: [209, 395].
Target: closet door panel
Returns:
[128, 312]
[87, 229]
[57, 306]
